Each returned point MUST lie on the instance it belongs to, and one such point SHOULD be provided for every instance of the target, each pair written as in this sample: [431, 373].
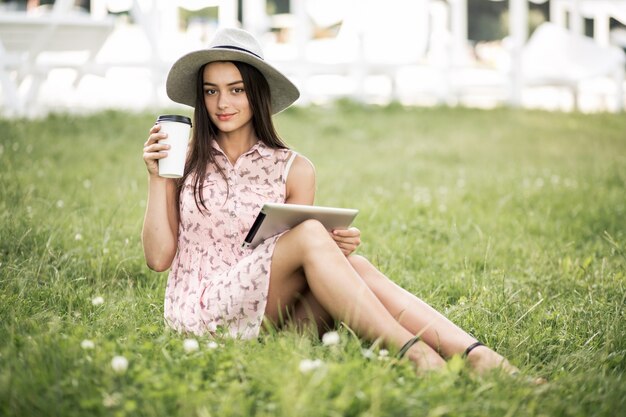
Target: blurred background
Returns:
[85, 55]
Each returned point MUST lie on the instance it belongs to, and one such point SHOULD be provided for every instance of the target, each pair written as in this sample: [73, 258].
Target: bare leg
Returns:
[309, 312]
[306, 255]
[417, 316]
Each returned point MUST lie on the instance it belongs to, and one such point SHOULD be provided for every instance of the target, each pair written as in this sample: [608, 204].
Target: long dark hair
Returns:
[205, 132]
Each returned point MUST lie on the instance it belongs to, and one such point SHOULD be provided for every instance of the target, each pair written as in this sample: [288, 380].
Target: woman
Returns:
[237, 162]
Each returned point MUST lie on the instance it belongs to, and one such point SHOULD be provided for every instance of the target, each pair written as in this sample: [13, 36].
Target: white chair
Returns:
[376, 37]
[554, 56]
[31, 46]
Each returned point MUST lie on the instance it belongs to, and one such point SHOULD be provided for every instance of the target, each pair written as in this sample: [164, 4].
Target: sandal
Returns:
[515, 374]
[404, 349]
[472, 347]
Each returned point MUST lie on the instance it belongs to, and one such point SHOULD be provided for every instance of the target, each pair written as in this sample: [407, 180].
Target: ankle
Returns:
[477, 354]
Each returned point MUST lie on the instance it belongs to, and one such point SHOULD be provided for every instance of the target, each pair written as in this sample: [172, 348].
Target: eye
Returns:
[209, 91]
[238, 90]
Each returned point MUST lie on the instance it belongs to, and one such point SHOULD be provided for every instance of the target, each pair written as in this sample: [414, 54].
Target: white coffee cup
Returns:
[177, 129]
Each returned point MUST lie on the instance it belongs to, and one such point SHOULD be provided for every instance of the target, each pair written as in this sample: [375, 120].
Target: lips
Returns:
[225, 117]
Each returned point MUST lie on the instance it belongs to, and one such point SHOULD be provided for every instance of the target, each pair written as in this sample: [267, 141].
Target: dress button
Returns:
[233, 214]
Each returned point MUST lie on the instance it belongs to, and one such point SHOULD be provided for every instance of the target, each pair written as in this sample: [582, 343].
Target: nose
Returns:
[222, 101]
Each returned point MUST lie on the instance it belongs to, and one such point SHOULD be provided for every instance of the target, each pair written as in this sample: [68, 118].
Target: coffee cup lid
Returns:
[174, 118]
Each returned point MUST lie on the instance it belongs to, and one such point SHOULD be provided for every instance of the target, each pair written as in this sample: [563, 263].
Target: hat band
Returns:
[238, 49]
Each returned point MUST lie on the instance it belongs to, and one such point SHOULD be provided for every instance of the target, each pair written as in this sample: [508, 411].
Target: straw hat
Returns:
[228, 45]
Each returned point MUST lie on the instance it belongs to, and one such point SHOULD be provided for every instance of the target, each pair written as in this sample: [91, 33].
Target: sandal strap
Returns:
[407, 346]
[471, 347]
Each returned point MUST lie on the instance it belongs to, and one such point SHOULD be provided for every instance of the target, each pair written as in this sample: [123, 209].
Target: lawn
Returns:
[511, 222]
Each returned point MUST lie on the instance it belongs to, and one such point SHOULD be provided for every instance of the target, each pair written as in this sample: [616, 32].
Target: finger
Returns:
[346, 243]
[341, 238]
[353, 231]
[345, 247]
[156, 147]
[347, 252]
[154, 155]
[155, 138]
[355, 240]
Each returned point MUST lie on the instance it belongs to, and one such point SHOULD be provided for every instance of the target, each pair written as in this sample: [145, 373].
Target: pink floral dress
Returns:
[214, 283]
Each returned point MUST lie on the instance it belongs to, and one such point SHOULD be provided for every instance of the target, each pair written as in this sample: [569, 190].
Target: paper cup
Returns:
[177, 129]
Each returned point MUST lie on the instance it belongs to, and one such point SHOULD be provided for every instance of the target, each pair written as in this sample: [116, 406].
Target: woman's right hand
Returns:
[152, 150]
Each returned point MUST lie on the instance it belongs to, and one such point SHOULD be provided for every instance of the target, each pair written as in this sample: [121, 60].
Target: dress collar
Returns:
[259, 147]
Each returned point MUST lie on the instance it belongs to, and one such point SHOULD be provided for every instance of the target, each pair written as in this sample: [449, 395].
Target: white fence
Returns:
[413, 51]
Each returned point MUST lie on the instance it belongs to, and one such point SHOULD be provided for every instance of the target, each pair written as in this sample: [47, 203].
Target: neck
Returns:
[235, 144]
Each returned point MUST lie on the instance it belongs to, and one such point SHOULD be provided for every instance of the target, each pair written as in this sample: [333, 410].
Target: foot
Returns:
[483, 360]
[425, 358]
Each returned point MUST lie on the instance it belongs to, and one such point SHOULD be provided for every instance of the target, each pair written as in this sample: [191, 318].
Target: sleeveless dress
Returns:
[215, 285]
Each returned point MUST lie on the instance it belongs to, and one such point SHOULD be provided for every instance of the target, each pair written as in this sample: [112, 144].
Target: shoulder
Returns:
[302, 165]
[301, 181]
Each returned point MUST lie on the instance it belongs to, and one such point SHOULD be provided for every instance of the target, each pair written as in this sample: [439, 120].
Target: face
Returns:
[225, 97]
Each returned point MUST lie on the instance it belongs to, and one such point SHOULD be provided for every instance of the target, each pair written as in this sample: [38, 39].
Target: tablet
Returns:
[275, 218]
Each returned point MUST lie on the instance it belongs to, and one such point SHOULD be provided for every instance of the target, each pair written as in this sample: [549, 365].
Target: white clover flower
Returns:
[119, 364]
[87, 184]
[330, 339]
[212, 345]
[78, 236]
[190, 345]
[308, 365]
[60, 203]
[383, 353]
[367, 353]
[97, 301]
[87, 344]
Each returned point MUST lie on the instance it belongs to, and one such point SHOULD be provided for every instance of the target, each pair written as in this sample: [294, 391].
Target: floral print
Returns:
[215, 283]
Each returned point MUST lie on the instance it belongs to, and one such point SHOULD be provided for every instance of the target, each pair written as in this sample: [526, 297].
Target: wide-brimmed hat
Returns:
[228, 44]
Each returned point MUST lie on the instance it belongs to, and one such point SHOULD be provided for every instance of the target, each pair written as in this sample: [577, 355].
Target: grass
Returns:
[511, 222]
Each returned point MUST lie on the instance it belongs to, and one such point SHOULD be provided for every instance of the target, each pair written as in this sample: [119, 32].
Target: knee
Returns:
[368, 272]
[359, 263]
[313, 234]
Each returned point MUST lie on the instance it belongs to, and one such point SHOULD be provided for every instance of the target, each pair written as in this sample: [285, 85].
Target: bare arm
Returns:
[160, 226]
[301, 190]
[301, 182]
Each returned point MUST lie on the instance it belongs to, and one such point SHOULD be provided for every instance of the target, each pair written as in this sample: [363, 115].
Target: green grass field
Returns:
[513, 223]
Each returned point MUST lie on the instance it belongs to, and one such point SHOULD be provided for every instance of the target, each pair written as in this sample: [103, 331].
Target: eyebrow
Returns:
[229, 84]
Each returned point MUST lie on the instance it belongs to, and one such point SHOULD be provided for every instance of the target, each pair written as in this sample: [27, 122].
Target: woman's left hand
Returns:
[347, 239]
